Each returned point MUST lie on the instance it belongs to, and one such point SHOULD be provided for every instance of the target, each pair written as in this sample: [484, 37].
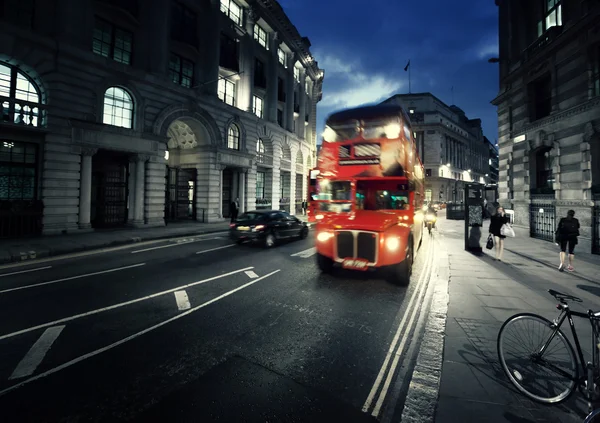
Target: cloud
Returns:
[348, 84]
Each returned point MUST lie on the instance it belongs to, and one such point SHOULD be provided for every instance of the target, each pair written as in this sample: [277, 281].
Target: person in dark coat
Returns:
[566, 235]
[496, 222]
[235, 207]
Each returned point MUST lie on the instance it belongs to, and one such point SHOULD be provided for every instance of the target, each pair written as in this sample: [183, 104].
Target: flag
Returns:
[407, 66]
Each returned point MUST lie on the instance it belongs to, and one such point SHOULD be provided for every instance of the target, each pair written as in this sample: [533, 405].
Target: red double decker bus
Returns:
[370, 186]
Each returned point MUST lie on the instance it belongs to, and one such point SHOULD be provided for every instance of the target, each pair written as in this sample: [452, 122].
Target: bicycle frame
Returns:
[588, 368]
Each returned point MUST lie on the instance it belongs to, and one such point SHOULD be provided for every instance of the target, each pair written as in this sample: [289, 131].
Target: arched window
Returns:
[286, 153]
[19, 97]
[299, 158]
[118, 108]
[544, 177]
[260, 147]
[233, 137]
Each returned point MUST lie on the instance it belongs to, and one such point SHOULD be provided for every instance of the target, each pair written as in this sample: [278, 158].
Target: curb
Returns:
[422, 397]
[21, 256]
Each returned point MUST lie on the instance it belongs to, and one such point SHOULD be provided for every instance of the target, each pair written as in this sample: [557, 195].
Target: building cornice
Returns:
[575, 110]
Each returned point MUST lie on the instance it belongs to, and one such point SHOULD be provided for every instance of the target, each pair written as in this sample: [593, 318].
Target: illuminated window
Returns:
[226, 91]
[18, 170]
[552, 16]
[21, 97]
[257, 106]
[260, 147]
[232, 10]
[260, 35]
[181, 71]
[118, 108]
[282, 57]
[233, 137]
[112, 42]
[297, 74]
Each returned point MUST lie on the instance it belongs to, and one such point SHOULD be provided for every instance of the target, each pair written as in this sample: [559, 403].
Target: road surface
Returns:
[200, 329]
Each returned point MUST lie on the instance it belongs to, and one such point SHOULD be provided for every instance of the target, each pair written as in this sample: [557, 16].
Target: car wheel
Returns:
[270, 240]
[400, 273]
[303, 232]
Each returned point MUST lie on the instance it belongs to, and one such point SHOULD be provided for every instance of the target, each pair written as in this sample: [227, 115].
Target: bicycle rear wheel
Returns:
[548, 379]
[593, 417]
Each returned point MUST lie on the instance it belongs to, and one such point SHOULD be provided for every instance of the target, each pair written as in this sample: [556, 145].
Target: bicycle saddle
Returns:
[564, 297]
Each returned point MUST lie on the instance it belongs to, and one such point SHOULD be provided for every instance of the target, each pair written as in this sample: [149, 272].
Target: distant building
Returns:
[549, 113]
[491, 177]
[451, 146]
[127, 113]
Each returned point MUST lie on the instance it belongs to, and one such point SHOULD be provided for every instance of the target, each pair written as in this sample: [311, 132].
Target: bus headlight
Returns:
[392, 243]
[324, 236]
[319, 217]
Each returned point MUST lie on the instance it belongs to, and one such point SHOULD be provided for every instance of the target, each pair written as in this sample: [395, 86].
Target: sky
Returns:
[364, 49]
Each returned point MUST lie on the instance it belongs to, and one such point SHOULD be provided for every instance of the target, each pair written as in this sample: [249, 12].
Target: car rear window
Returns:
[251, 216]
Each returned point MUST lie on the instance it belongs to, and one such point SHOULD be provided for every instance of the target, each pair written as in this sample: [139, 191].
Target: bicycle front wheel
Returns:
[548, 378]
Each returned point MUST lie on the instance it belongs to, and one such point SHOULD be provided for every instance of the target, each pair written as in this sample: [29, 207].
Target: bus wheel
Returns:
[400, 273]
[325, 263]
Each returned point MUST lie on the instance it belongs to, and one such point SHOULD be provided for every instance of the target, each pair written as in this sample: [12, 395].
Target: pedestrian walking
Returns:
[304, 207]
[235, 207]
[566, 236]
[497, 221]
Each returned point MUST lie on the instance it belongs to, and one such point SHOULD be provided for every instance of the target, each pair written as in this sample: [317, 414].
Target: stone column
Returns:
[140, 191]
[302, 101]
[272, 75]
[85, 187]
[246, 85]
[221, 168]
[292, 195]
[290, 86]
[242, 190]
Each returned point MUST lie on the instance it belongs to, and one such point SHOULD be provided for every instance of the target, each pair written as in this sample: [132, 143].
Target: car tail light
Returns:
[259, 227]
[232, 225]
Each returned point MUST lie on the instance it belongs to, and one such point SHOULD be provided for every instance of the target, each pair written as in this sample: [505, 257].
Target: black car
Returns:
[267, 226]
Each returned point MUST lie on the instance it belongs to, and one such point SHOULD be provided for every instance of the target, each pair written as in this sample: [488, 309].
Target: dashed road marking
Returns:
[183, 301]
[176, 244]
[36, 353]
[214, 249]
[306, 253]
[25, 271]
[18, 288]
[251, 274]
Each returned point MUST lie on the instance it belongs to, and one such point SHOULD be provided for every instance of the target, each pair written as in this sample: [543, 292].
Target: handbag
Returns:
[490, 242]
[507, 230]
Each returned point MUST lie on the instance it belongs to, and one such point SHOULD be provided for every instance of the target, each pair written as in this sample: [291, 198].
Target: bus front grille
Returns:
[357, 244]
[345, 244]
[366, 246]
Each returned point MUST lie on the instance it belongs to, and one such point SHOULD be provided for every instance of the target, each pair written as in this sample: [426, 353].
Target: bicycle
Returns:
[540, 352]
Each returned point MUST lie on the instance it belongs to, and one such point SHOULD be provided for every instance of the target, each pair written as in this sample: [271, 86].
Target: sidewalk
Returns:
[18, 250]
[483, 293]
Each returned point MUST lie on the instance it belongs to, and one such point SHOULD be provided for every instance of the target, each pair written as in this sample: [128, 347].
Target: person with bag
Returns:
[497, 222]
[566, 235]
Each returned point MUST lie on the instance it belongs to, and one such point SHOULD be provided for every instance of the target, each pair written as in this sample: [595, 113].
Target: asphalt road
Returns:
[200, 329]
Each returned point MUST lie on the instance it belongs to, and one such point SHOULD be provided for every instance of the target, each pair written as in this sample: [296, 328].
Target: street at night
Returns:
[224, 327]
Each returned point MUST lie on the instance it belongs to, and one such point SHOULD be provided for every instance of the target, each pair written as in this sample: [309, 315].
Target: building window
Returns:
[233, 137]
[260, 148]
[260, 184]
[596, 72]
[18, 170]
[118, 108]
[183, 24]
[552, 16]
[19, 12]
[181, 71]
[282, 57]
[306, 86]
[260, 76]
[428, 172]
[232, 10]
[297, 74]
[257, 106]
[112, 42]
[280, 117]
[544, 177]
[260, 35]
[228, 54]
[226, 91]
[20, 104]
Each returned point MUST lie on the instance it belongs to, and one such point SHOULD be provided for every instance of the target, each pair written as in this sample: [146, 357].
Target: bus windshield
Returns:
[334, 190]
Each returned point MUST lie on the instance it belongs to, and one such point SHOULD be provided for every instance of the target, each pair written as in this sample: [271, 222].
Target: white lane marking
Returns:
[36, 353]
[251, 274]
[424, 288]
[183, 302]
[98, 251]
[25, 271]
[214, 249]
[137, 300]
[306, 253]
[177, 244]
[390, 352]
[135, 335]
[71, 278]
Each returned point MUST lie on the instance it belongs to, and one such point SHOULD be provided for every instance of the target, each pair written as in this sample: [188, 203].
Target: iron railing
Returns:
[264, 159]
[21, 112]
[21, 218]
[542, 217]
[596, 225]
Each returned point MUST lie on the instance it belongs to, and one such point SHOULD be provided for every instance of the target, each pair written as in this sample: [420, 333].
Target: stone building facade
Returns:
[549, 113]
[120, 113]
[451, 146]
